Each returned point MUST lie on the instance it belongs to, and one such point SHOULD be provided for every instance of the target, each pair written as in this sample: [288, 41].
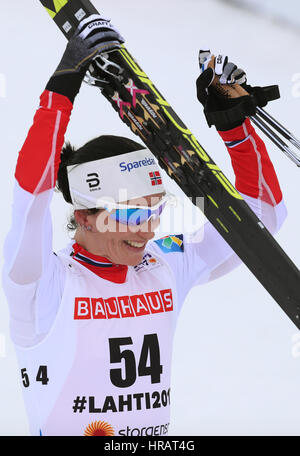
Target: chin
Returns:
[132, 256]
[134, 261]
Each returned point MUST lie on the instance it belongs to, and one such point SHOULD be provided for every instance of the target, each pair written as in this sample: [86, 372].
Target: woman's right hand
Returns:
[93, 36]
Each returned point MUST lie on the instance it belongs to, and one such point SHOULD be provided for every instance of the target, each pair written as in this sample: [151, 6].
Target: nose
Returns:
[146, 230]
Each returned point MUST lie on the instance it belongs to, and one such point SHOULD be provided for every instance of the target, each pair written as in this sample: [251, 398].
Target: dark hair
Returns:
[102, 147]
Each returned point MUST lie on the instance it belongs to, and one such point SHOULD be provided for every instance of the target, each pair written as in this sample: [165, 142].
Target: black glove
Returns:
[220, 110]
[93, 36]
[228, 72]
[228, 107]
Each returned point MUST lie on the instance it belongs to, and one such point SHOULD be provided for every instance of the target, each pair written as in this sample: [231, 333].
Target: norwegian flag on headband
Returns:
[155, 178]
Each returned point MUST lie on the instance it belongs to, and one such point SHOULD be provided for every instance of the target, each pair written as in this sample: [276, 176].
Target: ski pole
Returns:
[278, 127]
[267, 130]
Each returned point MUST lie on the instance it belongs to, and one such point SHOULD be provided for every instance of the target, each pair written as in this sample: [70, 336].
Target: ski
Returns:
[143, 108]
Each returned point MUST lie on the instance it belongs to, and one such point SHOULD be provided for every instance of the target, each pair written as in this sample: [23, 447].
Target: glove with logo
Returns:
[227, 72]
[223, 91]
[226, 104]
[93, 36]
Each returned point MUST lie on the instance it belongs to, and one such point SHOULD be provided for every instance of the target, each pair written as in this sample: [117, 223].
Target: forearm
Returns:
[66, 84]
[39, 158]
[257, 181]
[28, 247]
[254, 171]
[207, 254]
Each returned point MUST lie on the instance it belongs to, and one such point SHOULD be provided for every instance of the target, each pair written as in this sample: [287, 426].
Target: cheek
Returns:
[104, 224]
[115, 244]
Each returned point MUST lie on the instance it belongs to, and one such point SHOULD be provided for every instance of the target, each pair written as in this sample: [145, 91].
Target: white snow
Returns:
[276, 10]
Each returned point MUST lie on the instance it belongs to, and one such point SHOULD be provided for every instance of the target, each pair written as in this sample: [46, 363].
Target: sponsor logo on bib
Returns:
[149, 262]
[154, 302]
[170, 244]
[99, 428]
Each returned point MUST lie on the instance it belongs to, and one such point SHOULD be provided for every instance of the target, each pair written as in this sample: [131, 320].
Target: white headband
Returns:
[120, 178]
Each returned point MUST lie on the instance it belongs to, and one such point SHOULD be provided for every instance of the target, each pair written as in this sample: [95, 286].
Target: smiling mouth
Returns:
[136, 245]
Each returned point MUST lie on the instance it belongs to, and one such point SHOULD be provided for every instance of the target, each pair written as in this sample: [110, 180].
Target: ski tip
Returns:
[53, 7]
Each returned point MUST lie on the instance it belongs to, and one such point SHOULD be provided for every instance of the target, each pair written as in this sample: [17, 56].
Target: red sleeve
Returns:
[254, 171]
[39, 158]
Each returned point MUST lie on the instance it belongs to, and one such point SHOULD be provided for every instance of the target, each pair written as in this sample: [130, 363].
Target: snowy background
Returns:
[236, 364]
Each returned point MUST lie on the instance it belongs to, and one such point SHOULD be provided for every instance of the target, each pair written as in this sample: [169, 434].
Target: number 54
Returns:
[150, 348]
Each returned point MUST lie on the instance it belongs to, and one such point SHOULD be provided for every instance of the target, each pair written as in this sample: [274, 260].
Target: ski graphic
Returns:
[144, 109]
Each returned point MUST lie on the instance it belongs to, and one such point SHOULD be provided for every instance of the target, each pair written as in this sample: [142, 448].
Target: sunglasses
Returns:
[138, 215]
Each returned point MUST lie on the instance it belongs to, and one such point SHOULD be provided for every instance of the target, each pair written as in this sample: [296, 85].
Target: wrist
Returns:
[228, 114]
[238, 133]
[66, 84]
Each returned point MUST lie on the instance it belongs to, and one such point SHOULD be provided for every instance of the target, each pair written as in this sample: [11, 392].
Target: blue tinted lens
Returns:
[132, 216]
[135, 216]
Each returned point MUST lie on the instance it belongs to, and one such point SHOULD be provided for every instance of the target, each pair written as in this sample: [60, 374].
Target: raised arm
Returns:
[257, 181]
[205, 255]
[28, 245]
[31, 270]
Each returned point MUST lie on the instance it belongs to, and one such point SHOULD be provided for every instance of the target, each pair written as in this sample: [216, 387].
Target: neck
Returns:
[100, 266]
[87, 241]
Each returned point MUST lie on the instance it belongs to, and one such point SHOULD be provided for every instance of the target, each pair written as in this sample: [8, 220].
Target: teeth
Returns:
[135, 244]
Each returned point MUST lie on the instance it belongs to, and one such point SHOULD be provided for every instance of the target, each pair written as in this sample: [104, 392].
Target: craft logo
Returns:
[123, 306]
[93, 181]
[155, 178]
[100, 23]
[99, 428]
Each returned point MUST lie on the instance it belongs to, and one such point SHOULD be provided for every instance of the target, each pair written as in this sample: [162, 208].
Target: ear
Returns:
[81, 217]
